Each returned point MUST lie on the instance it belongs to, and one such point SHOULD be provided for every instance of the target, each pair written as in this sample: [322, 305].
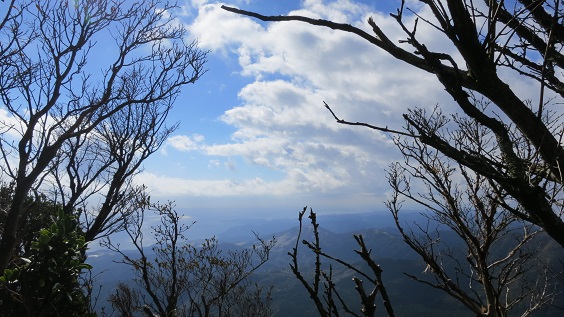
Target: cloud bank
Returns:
[280, 124]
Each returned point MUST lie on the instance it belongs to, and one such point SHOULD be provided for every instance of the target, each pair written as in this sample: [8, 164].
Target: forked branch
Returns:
[367, 289]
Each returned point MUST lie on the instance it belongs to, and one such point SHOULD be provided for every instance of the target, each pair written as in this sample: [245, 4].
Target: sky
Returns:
[255, 139]
[254, 134]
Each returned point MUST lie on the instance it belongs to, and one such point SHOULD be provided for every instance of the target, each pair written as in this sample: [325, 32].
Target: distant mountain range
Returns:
[291, 299]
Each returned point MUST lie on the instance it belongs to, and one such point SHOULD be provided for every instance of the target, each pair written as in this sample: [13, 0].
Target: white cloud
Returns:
[298, 182]
[281, 123]
[184, 143]
[198, 3]
[217, 29]
[10, 126]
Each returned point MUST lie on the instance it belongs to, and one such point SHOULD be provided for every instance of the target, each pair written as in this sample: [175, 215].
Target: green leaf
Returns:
[44, 238]
[85, 266]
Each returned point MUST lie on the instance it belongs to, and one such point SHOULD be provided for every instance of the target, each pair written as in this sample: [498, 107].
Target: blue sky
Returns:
[254, 134]
[254, 137]
[255, 140]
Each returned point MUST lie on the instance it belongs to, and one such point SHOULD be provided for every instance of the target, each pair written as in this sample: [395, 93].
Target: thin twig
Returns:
[364, 124]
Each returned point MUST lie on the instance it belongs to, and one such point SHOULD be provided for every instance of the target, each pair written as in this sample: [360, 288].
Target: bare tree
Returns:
[495, 270]
[176, 278]
[523, 36]
[63, 108]
[125, 301]
[104, 162]
[323, 290]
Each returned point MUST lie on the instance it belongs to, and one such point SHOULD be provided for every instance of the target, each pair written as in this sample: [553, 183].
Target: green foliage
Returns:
[45, 282]
[39, 213]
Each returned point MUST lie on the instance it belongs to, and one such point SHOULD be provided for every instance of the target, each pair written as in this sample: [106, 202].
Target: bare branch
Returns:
[383, 129]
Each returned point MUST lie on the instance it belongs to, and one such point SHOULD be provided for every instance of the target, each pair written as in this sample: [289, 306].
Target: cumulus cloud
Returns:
[184, 143]
[217, 29]
[281, 123]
